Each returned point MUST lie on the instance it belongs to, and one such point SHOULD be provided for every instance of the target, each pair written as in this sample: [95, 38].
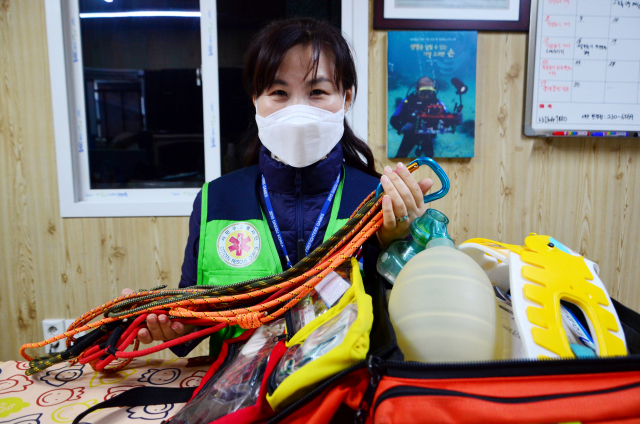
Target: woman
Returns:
[308, 171]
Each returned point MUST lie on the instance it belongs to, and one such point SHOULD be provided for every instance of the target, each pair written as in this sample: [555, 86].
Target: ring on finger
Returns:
[402, 218]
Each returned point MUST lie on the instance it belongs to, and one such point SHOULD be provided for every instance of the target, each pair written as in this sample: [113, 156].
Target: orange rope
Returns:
[203, 308]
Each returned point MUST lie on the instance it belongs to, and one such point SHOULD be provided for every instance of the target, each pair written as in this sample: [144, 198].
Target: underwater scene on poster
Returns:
[431, 93]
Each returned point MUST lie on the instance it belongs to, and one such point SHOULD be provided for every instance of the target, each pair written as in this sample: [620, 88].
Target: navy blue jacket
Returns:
[297, 196]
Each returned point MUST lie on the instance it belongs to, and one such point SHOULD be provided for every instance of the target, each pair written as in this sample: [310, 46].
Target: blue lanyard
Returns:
[316, 227]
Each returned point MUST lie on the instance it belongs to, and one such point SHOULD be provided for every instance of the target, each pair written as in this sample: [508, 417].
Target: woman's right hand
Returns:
[160, 327]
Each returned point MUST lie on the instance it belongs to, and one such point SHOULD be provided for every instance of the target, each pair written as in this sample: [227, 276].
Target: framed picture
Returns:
[431, 92]
[488, 15]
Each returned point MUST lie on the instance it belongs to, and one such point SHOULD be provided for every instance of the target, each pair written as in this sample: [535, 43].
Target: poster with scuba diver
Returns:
[431, 89]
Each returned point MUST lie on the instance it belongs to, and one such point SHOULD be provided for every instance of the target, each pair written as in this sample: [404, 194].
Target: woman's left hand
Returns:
[402, 203]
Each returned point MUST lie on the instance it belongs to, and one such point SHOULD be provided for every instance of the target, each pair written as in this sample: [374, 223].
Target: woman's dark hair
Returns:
[264, 56]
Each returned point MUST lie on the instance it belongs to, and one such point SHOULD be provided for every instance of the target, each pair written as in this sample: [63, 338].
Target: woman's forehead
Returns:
[298, 66]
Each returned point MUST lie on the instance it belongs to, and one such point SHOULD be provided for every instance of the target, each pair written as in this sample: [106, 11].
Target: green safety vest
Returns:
[231, 251]
[235, 240]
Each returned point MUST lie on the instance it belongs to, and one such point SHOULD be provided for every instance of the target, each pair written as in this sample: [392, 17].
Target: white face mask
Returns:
[301, 135]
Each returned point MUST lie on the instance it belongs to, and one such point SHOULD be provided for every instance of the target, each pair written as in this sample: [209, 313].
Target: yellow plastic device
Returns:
[541, 273]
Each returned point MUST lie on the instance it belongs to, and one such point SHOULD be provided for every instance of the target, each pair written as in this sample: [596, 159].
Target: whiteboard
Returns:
[583, 75]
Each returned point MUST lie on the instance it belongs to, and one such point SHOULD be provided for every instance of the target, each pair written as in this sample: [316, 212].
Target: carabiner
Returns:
[444, 180]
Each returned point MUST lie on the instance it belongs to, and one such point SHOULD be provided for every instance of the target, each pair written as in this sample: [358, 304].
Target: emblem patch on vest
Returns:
[239, 244]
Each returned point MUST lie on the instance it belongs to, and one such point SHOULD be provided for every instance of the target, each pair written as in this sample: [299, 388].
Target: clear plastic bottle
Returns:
[442, 305]
[398, 253]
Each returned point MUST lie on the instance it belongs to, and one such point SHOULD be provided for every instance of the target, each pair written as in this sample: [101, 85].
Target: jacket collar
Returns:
[234, 196]
[316, 178]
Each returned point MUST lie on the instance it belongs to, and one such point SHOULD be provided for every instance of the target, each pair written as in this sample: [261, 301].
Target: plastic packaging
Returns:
[322, 340]
[335, 358]
[541, 273]
[326, 294]
[512, 347]
[305, 311]
[442, 305]
[547, 272]
[238, 384]
[580, 340]
[398, 253]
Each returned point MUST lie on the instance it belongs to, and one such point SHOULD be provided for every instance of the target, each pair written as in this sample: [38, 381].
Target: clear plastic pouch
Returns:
[326, 294]
[329, 344]
[319, 342]
[237, 384]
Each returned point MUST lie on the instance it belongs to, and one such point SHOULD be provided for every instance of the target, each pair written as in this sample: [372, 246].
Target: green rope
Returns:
[176, 295]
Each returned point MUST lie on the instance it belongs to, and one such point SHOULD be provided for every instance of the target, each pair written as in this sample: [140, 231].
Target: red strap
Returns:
[172, 343]
[221, 357]
[261, 411]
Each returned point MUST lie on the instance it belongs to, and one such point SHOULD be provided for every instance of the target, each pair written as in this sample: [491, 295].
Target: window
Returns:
[136, 86]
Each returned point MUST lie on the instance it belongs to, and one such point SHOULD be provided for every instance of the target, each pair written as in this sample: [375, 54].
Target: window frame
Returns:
[77, 199]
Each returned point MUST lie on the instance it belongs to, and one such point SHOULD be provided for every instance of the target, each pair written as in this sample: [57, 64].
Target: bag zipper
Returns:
[315, 392]
[501, 368]
[288, 320]
[510, 367]
[374, 365]
[271, 381]
[404, 391]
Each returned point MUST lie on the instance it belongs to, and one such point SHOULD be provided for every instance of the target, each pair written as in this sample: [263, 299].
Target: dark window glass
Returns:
[143, 95]
[144, 92]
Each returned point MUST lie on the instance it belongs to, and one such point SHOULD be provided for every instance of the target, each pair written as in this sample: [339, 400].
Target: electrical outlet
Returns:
[50, 328]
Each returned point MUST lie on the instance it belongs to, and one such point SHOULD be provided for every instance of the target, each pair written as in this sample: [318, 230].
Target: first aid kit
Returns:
[320, 345]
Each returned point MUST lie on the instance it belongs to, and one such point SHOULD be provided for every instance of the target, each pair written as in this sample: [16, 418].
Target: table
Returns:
[58, 394]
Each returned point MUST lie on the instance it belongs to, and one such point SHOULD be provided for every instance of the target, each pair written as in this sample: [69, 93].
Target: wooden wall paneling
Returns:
[169, 238]
[377, 96]
[24, 137]
[589, 176]
[583, 182]
[8, 231]
[72, 269]
[45, 221]
[583, 192]
[625, 245]
[576, 198]
[579, 191]
[90, 241]
[613, 235]
[130, 255]
[110, 259]
[504, 143]
[604, 182]
[609, 226]
[554, 200]
[466, 199]
[494, 175]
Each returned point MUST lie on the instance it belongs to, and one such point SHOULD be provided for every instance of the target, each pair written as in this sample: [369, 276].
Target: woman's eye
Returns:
[317, 92]
[280, 93]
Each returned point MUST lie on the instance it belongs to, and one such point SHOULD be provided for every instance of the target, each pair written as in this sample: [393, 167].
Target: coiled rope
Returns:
[248, 304]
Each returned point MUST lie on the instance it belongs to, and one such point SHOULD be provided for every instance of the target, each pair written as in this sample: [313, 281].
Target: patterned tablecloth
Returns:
[58, 394]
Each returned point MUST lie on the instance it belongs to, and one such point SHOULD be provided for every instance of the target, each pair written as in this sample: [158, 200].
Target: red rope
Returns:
[171, 343]
[259, 305]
